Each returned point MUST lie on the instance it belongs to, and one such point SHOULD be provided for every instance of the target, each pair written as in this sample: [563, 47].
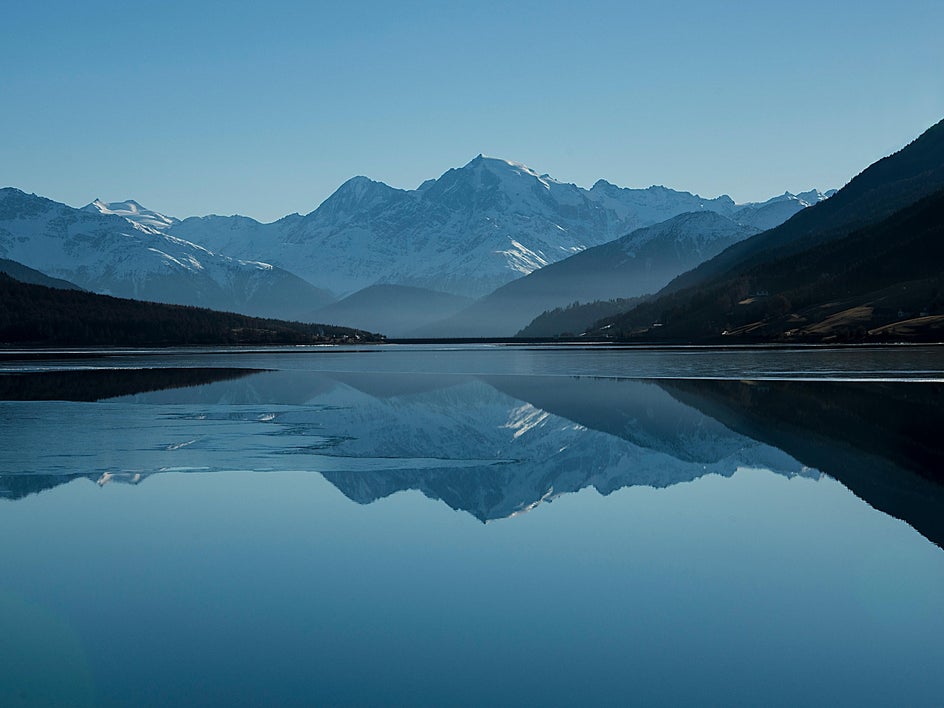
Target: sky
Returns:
[264, 109]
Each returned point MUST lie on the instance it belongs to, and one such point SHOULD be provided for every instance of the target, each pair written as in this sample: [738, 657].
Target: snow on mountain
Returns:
[113, 254]
[134, 212]
[468, 232]
[773, 212]
[643, 207]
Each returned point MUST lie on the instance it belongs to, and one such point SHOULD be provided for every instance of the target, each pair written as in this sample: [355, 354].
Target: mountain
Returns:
[883, 188]
[395, 310]
[468, 232]
[884, 281]
[775, 211]
[36, 315]
[20, 272]
[637, 264]
[650, 206]
[111, 254]
[855, 264]
[132, 211]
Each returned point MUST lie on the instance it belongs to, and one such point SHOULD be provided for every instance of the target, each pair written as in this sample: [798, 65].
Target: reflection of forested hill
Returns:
[17, 486]
[98, 384]
[881, 440]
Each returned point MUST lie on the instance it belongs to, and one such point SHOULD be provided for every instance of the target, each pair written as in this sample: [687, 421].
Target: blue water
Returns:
[479, 526]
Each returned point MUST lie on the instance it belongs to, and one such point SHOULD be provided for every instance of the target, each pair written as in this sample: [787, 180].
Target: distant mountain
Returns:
[20, 272]
[396, 310]
[134, 212]
[36, 315]
[639, 263]
[773, 212]
[468, 232]
[108, 253]
[866, 265]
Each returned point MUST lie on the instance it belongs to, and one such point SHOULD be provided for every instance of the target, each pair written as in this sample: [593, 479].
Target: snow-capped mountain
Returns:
[471, 230]
[773, 212]
[109, 253]
[134, 212]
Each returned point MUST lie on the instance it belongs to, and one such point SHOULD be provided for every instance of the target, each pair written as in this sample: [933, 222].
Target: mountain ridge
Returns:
[467, 232]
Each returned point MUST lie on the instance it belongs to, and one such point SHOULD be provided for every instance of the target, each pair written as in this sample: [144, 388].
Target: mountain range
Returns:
[468, 232]
[112, 254]
[401, 259]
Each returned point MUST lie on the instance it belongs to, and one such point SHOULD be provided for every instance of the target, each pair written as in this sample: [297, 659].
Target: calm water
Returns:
[473, 525]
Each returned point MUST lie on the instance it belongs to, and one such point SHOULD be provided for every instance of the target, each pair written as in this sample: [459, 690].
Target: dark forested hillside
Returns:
[575, 318]
[864, 265]
[38, 315]
[880, 190]
[885, 281]
[24, 274]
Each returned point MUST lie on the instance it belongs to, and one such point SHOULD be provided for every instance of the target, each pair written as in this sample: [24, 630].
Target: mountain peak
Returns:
[502, 174]
[500, 165]
[356, 194]
[360, 185]
[132, 211]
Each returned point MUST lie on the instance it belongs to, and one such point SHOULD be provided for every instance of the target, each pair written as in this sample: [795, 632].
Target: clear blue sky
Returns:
[265, 108]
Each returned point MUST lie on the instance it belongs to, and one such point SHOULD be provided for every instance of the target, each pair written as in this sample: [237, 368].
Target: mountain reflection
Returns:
[492, 446]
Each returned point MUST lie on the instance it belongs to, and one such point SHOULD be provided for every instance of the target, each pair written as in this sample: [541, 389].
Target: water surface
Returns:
[466, 525]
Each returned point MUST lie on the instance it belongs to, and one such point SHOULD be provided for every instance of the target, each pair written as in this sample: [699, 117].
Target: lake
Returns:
[469, 525]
